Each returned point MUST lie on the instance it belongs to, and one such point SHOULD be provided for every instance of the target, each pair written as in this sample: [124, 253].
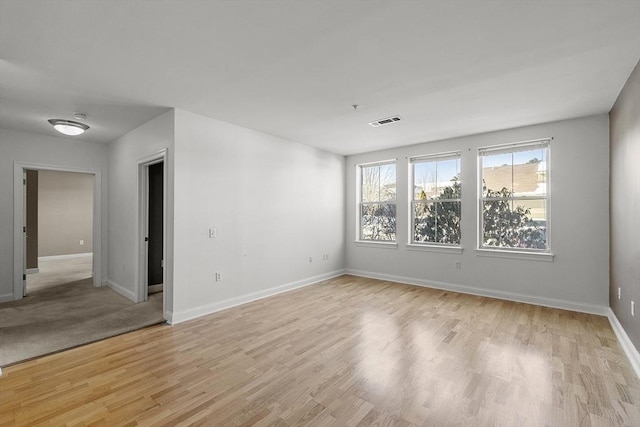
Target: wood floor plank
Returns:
[346, 352]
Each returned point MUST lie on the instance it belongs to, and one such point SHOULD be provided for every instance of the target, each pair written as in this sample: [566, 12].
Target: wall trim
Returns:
[121, 290]
[6, 297]
[509, 296]
[203, 310]
[67, 256]
[625, 342]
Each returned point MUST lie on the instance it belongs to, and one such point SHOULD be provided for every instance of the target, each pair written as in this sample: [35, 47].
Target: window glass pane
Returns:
[495, 160]
[424, 179]
[378, 222]
[536, 210]
[448, 173]
[437, 222]
[387, 182]
[530, 172]
[515, 224]
[370, 183]
[423, 222]
[497, 174]
[452, 190]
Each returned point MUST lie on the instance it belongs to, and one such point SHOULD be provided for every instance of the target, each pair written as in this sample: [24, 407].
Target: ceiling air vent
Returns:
[386, 121]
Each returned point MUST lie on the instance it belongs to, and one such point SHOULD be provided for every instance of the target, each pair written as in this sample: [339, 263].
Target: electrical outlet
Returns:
[218, 277]
[82, 242]
[213, 233]
[325, 257]
[458, 265]
[310, 260]
[619, 292]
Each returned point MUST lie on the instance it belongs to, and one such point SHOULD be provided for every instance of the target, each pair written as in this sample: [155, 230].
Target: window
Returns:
[436, 204]
[514, 202]
[378, 201]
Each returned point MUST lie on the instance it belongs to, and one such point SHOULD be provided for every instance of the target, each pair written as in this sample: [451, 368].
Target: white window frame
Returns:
[412, 202]
[360, 203]
[509, 252]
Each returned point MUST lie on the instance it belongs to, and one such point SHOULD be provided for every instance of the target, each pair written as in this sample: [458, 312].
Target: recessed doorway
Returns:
[59, 228]
[155, 225]
[152, 194]
[93, 243]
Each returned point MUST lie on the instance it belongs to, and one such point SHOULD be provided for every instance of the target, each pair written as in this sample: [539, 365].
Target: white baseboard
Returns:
[68, 256]
[155, 288]
[6, 297]
[32, 270]
[202, 310]
[121, 290]
[510, 296]
[625, 342]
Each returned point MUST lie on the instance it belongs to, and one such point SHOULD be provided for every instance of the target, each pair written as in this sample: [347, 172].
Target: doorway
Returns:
[152, 195]
[59, 228]
[93, 244]
[155, 222]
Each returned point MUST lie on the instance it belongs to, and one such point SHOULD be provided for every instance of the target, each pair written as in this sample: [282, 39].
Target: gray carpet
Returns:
[67, 315]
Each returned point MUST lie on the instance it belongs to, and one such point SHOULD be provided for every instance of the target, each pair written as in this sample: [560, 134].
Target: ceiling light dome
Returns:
[68, 127]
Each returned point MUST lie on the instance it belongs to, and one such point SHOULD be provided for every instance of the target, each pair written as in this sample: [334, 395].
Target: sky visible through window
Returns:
[435, 175]
[517, 158]
[438, 173]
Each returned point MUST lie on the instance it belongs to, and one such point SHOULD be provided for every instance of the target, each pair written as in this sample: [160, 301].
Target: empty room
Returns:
[338, 213]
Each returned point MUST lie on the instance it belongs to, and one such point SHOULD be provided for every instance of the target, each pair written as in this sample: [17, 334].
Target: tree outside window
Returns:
[514, 201]
[378, 202]
[436, 203]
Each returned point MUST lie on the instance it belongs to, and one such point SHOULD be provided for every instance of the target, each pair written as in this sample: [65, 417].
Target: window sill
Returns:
[374, 244]
[529, 256]
[435, 248]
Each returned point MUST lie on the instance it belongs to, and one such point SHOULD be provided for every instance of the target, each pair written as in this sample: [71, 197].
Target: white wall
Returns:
[65, 213]
[578, 276]
[124, 154]
[44, 150]
[273, 202]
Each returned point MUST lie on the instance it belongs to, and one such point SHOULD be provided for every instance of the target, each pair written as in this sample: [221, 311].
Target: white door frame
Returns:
[19, 266]
[143, 224]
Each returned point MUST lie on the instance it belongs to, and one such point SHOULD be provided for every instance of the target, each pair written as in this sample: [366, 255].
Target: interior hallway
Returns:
[54, 272]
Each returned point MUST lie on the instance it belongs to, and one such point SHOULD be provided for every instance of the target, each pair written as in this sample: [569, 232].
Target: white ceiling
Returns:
[294, 68]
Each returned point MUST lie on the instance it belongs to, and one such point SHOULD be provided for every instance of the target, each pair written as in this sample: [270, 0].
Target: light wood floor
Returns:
[346, 352]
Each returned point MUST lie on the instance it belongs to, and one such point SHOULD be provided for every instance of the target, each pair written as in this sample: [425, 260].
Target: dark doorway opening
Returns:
[155, 237]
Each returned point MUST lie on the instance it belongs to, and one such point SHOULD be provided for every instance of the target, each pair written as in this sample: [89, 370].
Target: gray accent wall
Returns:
[625, 206]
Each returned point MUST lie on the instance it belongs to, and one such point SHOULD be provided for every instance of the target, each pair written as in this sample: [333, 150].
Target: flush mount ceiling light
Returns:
[68, 127]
